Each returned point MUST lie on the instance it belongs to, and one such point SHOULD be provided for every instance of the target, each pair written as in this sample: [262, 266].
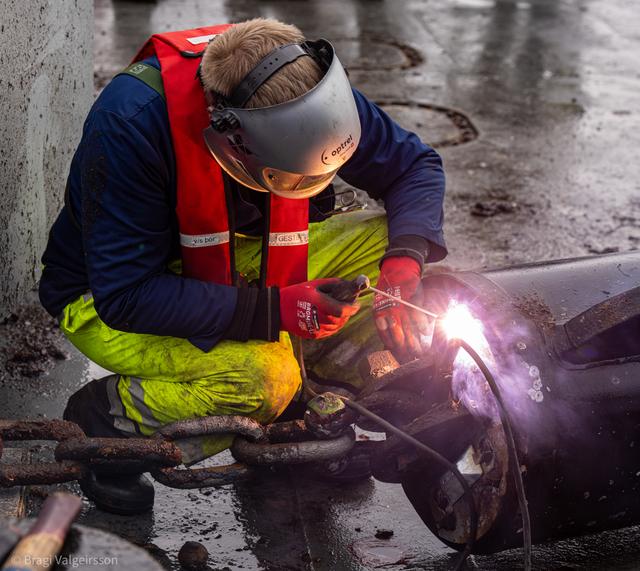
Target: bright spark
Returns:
[459, 323]
[468, 383]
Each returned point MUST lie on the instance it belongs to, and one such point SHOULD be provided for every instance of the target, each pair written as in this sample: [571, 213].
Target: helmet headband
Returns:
[295, 148]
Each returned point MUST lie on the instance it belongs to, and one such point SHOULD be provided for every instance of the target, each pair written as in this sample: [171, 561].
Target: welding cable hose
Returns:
[513, 458]
[511, 447]
[473, 513]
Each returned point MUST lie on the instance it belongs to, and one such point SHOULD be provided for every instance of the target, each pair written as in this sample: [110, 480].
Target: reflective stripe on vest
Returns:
[288, 238]
[206, 237]
[203, 240]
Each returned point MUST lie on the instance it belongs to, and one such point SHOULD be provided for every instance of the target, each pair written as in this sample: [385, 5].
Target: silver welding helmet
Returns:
[295, 148]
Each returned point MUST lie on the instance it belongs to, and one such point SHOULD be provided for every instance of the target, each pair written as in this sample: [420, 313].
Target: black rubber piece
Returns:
[129, 494]
[89, 408]
[352, 468]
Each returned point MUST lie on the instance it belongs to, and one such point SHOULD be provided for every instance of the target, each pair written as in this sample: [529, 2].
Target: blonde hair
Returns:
[234, 53]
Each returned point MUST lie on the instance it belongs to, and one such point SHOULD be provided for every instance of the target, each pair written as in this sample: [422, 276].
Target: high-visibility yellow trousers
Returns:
[164, 379]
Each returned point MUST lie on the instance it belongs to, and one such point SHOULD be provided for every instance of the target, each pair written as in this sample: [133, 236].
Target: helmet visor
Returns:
[293, 185]
[282, 183]
[293, 149]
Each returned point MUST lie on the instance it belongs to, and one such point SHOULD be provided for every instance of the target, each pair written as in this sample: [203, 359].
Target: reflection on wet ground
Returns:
[553, 89]
[551, 86]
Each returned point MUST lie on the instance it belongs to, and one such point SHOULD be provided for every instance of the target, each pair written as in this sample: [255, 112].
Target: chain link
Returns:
[76, 454]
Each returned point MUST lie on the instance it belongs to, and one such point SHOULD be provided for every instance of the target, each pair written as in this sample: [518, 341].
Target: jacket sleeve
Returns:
[127, 237]
[394, 165]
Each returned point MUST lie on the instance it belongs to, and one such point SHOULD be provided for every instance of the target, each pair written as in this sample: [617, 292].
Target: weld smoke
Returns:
[520, 382]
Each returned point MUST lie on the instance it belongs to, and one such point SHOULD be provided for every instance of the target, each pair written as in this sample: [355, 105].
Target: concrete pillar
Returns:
[46, 89]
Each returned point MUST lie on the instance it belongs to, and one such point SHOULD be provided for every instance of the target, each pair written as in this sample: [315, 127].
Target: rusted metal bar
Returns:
[399, 376]
[376, 365]
[212, 425]
[35, 474]
[147, 450]
[292, 453]
[214, 476]
[290, 431]
[396, 406]
[54, 429]
[287, 432]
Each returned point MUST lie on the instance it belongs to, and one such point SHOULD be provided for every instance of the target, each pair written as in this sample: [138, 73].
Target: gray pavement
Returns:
[553, 89]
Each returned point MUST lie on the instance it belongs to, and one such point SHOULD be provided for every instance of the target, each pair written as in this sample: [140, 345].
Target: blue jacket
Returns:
[118, 229]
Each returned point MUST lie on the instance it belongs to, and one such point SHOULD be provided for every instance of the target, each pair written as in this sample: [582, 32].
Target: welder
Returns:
[198, 234]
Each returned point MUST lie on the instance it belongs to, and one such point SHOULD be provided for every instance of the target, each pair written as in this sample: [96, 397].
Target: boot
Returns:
[127, 494]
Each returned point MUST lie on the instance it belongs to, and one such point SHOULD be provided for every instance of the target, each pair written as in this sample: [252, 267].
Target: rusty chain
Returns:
[324, 434]
[76, 454]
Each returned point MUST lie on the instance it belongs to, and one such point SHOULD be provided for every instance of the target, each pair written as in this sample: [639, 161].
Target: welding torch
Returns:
[347, 291]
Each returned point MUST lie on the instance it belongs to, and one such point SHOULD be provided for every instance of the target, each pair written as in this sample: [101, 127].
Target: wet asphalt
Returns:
[535, 108]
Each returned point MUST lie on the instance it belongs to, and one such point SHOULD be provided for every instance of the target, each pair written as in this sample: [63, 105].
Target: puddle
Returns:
[378, 552]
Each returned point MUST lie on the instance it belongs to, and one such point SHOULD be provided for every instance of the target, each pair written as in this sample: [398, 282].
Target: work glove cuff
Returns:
[408, 245]
[257, 315]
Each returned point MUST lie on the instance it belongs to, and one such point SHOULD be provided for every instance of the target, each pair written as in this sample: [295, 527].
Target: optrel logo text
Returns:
[333, 155]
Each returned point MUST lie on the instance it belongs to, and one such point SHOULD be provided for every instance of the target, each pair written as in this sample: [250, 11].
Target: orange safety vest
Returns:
[206, 231]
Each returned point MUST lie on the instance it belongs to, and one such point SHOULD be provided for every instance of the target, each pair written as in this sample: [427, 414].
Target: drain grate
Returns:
[437, 125]
[376, 54]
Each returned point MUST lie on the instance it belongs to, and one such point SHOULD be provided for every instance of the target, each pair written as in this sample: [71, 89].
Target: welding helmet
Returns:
[293, 149]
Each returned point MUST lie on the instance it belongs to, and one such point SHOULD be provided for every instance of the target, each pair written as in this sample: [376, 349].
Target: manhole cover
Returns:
[373, 54]
[436, 125]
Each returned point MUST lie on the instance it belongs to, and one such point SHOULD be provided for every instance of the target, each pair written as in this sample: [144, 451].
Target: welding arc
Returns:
[513, 451]
[473, 514]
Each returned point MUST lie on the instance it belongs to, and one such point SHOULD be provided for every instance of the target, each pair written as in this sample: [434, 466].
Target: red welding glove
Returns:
[307, 312]
[400, 326]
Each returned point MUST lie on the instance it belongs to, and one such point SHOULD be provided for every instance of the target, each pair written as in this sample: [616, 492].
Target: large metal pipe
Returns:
[565, 338]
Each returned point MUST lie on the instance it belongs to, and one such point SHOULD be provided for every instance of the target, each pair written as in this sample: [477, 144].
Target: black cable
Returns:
[473, 514]
[511, 447]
